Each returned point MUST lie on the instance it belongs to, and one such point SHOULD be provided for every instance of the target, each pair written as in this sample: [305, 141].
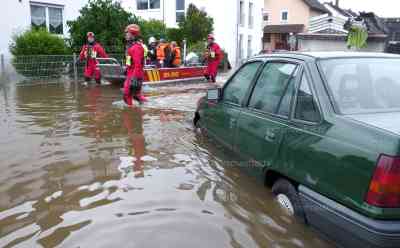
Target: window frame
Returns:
[298, 70]
[251, 15]
[267, 13]
[46, 6]
[304, 72]
[284, 11]
[246, 96]
[181, 11]
[148, 7]
[242, 15]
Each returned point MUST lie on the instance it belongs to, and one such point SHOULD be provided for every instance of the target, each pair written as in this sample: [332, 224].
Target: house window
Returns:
[251, 17]
[180, 10]
[396, 36]
[49, 17]
[55, 20]
[241, 13]
[148, 4]
[249, 46]
[284, 16]
[142, 4]
[266, 17]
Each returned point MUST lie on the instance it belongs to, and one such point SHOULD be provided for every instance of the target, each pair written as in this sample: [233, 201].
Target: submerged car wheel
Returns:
[288, 199]
[196, 120]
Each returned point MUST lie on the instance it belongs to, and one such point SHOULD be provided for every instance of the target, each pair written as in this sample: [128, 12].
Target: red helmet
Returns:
[90, 34]
[133, 29]
[210, 37]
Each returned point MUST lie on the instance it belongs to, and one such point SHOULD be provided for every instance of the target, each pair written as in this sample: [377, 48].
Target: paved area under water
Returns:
[77, 169]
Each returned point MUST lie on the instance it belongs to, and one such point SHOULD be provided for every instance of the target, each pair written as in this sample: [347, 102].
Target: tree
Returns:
[175, 34]
[196, 25]
[153, 28]
[107, 19]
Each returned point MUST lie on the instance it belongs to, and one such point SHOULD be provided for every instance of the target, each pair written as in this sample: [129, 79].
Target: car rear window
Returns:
[363, 85]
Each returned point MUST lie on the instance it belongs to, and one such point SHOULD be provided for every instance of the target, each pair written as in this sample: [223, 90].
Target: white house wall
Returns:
[15, 17]
[226, 18]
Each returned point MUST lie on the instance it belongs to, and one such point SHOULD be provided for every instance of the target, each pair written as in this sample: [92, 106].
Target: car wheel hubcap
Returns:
[285, 203]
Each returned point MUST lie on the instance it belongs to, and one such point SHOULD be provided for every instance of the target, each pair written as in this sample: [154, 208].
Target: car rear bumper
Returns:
[346, 227]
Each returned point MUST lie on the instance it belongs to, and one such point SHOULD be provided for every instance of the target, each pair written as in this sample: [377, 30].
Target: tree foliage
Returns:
[152, 28]
[37, 42]
[107, 19]
[196, 25]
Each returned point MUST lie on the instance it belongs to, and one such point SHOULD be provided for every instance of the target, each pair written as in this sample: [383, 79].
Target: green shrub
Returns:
[37, 53]
[37, 42]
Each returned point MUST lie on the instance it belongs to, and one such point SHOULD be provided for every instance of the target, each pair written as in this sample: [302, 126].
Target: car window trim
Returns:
[305, 73]
[256, 75]
[328, 90]
[273, 60]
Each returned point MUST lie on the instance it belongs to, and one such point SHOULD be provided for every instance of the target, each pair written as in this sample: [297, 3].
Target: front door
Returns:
[221, 119]
[263, 123]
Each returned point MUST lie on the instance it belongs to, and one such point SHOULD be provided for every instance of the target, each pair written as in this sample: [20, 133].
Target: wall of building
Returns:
[337, 45]
[299, 12]
[16, 17]
[226, 19]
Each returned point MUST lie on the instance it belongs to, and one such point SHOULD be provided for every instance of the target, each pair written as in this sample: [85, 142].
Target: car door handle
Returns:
[270, 135]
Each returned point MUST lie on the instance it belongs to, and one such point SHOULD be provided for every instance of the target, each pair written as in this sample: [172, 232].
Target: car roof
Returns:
[328, 55]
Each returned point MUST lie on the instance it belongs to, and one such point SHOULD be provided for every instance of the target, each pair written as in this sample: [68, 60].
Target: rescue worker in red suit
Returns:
[89, 53]
[134, 66]
[213, 58]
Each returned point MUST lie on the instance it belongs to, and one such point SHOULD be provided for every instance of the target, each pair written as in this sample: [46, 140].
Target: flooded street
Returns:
[80, 170]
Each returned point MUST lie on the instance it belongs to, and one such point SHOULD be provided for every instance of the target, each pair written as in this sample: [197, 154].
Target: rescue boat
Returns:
[114, 72]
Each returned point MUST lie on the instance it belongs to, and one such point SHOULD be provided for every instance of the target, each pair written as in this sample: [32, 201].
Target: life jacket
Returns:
[161, 52]
[177, 56]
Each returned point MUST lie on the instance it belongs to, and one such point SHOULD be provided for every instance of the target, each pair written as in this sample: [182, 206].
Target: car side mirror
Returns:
[214, 94]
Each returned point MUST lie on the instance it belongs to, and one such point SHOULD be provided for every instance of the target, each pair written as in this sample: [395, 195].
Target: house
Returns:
[393, 26]
[283, 17]
[327, 32]
[237, 23]
[18, 15]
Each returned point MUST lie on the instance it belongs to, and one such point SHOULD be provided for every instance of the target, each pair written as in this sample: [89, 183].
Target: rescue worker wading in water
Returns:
[89, 53]
[134, 66]
[213, 58]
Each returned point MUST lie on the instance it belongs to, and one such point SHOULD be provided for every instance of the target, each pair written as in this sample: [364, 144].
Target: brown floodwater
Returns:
[77, 169]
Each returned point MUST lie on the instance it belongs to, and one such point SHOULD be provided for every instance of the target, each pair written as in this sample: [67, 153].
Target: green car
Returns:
[323, 130]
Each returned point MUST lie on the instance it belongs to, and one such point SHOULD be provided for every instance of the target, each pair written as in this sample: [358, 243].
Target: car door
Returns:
[221, 118]
[305, 155]
[263, 122]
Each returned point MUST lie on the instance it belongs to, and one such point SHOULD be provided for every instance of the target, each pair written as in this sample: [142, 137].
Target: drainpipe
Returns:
[163, 12]
[237, 31]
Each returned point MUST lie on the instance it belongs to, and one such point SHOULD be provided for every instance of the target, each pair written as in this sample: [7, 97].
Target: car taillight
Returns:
[384, 189]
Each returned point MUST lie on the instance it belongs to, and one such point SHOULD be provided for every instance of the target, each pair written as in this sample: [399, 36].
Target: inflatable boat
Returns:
[114, 72]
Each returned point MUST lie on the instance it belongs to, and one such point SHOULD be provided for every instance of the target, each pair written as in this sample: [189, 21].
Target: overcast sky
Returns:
[383, 8]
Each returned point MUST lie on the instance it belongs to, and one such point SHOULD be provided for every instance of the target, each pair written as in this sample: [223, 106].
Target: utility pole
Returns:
[337, 3]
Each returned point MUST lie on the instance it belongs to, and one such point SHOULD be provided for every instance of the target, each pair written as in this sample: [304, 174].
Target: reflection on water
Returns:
[78, 171]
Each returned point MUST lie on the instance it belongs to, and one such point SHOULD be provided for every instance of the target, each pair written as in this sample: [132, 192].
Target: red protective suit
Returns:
[214, 57]
[134, 71]
[90, 53]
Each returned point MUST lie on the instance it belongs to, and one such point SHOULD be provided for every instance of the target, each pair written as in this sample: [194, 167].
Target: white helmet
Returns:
[152, 40]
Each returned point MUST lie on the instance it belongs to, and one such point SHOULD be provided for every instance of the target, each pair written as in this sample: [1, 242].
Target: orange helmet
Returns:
[210, 37]
[133, 29]
[90, 34]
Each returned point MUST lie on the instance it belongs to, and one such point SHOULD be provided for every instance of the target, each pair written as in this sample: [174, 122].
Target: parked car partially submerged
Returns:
[323, 129]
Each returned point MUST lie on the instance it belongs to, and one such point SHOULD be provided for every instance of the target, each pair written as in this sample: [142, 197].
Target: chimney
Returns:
[337, 3]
